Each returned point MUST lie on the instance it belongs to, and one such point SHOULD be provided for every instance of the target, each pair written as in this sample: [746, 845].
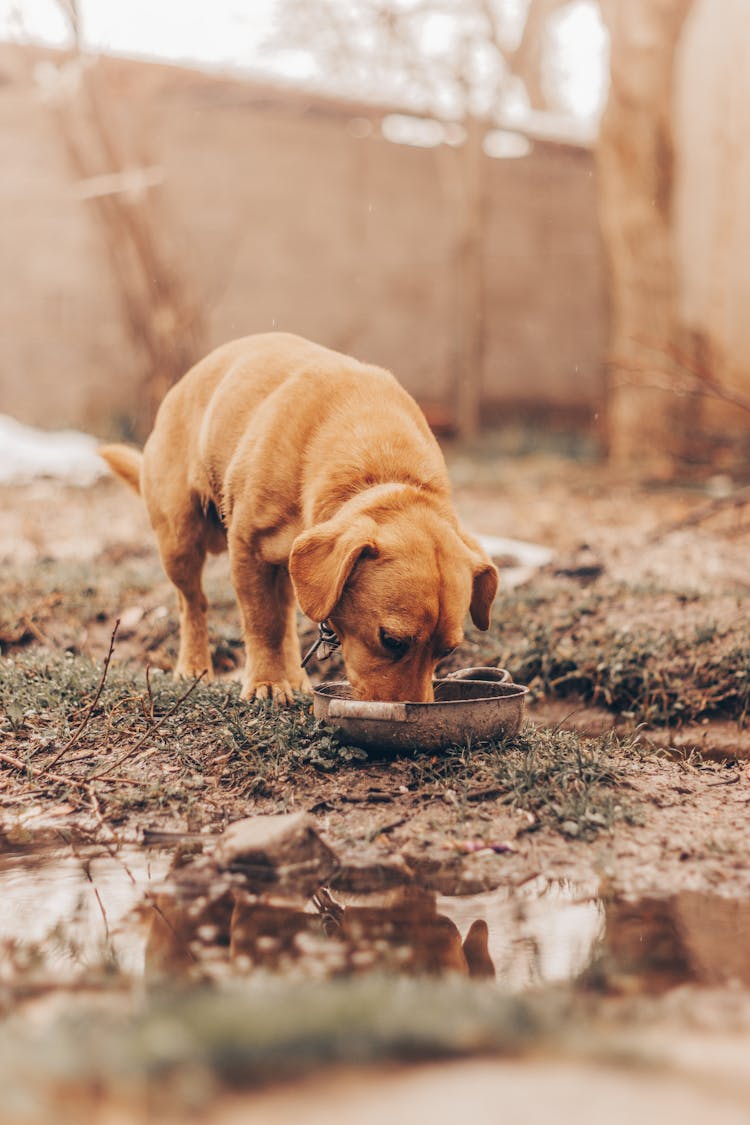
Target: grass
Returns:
[168, 743]
[179, 1048]
[146, 752]
[653, 655]
[148, 747]
[566, 781]
[650, 655]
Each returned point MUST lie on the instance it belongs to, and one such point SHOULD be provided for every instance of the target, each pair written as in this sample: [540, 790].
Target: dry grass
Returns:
[144, 746]
[141, 750]
[646, 653]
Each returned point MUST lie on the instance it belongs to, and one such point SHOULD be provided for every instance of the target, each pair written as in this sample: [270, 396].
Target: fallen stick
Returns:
[17, 764]
[736, 499]
[152, 730]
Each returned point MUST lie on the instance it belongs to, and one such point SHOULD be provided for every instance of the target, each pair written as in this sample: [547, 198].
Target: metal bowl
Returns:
[476, 703]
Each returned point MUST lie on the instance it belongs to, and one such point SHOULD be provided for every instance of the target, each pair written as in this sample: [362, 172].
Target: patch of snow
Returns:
[66, 455]
[516, 559]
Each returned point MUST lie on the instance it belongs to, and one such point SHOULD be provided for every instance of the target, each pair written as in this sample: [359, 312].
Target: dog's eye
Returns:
[396, 646]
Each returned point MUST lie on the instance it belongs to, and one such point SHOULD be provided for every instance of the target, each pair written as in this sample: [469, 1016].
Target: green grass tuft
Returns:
[212, 740]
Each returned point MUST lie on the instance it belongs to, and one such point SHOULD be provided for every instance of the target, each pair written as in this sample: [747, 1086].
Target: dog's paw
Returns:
[277, 691]
[183, 672]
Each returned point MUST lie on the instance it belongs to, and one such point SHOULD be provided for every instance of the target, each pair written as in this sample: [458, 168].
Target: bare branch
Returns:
[738, 499]
[151, 730]
[682, 374]
[72, 15]
[77, 734]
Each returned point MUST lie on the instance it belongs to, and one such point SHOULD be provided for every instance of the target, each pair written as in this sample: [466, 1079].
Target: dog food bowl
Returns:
[476, 703]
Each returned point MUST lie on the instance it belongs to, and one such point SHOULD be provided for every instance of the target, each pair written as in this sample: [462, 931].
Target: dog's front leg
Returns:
[269, 619]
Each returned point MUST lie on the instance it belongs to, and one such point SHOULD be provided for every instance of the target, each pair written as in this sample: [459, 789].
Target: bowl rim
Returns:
[508, 690]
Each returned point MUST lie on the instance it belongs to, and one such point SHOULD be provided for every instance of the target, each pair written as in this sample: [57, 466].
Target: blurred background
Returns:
[533, 211]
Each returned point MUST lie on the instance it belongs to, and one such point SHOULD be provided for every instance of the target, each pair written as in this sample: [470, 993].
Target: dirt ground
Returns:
[618, 814]
[75, 560]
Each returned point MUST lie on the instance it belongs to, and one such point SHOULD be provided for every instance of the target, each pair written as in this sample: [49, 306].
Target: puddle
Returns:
[654, 944]
[543, 932]
[544, 935]
[67, 912]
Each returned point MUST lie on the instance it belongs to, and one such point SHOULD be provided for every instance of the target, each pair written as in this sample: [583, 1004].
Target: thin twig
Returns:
[152, 730]
[17, 764]
[28, 622]
[150, 694]
[87, 873]
[74, 737]
[736, 499]
[95, 806]
[684, 381]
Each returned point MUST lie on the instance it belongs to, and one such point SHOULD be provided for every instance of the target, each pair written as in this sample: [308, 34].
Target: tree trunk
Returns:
[164, 320]
[471, 284]
[645, 416]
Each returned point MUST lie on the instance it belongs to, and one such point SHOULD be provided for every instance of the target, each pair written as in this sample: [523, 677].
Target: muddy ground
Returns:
[633, 629]
[631, 775]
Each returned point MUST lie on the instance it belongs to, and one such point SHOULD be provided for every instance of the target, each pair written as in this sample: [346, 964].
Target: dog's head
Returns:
[396, 583]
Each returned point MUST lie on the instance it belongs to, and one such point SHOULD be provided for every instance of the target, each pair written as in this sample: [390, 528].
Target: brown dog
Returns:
[323, 479]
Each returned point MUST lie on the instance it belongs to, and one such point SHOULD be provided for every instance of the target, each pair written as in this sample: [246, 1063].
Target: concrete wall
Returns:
[284, 215]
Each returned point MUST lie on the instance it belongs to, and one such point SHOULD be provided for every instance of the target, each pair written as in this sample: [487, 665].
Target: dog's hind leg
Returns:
[183, 547]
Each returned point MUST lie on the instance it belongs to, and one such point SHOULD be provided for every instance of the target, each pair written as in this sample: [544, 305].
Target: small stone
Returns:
[277, 851]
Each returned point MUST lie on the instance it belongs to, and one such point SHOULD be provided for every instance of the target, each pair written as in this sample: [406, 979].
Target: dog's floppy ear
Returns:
[483, 594]
[485, 585]
[322, 559]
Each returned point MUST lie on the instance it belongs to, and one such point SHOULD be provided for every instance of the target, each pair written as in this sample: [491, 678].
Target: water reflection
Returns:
[539, 933]
[68, 911]
[398, 932]
[652, 944]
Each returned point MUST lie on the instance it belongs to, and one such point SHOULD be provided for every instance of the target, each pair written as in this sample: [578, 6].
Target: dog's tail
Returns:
[125, 461]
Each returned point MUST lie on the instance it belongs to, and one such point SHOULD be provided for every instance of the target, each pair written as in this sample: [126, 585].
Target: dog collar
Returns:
[326, 638]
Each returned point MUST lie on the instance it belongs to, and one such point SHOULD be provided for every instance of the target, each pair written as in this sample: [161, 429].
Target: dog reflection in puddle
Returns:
[399, 931]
